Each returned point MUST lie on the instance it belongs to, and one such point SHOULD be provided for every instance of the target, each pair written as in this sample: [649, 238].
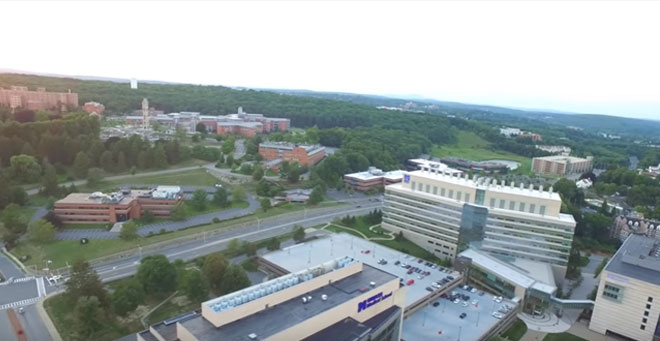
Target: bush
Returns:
[215, 220]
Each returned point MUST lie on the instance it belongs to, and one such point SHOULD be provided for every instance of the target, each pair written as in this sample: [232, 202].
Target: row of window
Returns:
[444, 192]
[561, 237]
[415, 228]
[548, 242]
[532, 223]
[528, 248]
[519, 206]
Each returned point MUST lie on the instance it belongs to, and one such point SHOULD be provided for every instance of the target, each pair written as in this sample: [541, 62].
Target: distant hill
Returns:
[594, 123]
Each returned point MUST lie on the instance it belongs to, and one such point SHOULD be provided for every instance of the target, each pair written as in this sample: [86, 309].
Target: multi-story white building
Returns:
[444, 213]
[628, 297]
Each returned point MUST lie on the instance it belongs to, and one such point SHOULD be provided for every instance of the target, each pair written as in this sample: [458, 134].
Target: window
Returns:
[512, 205]
[435, 190]
[613, 292]
[420, 187]
[459, 194]
[502, 203]
[451, 193]
[442, 192]
[646, 313]
[650, 300]
[522, 207]
[481, 194]
[542, 210]
[412, 185]
[467, 197]
[428, 188]
[642, 327]
[644, 320]
[532, 208]
[492, 202]
[648, 306]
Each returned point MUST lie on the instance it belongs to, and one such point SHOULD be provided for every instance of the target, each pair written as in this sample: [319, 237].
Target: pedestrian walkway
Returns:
[546, 323]
[20, 303]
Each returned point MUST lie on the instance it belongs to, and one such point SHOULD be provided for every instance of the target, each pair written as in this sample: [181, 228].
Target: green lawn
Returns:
[472, 147]
[516, 331]
[169, 310]
[195, 177]
[100, 226]
[67, 251]
[562, 337]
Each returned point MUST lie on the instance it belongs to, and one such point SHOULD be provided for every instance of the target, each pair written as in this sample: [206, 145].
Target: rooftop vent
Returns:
[324, 297]
[373, 284]
[304, 300]
[252, 336]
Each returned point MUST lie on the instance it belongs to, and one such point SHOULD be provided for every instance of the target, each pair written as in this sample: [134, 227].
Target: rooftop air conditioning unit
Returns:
[252, 336]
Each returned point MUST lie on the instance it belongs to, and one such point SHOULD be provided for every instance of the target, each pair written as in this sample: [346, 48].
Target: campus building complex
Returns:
[628, 297]
[275, 153]
[373, 178]
[20, 97]
[120, 206]
[562, 165]
[341, 299]
[445, 213]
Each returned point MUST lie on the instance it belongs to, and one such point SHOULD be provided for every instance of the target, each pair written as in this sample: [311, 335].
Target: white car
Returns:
[474, 291]
[498, 299]
[457, 301]
[497, 315]
[465, 304]
[475, 302]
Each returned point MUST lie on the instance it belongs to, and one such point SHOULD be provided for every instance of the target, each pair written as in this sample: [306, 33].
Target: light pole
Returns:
[459, 333]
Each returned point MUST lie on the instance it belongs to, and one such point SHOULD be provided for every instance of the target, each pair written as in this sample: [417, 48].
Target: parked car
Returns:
[474, 290]
[475, 302]
[435, 304]
[497, 315]
[481, 293]
[397, 263]
[457, 301]
[462, 315]
[465, 304]
[429, 289]
[410, 282]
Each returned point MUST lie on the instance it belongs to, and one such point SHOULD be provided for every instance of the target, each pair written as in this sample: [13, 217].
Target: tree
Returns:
[121, 162]
[13, 219]
[94, 176]
[220, 197]
[233, 279]
[148, 216]
[199, 199]
[213, 268]
[201, 128]
[229, 160]
[106, 161]
[133, 170]
[263, 189]
[228, 145]
[41, 231]
[157, 275]
[233, 246]
[84, 281]
[298, 233]
[143, 161]
[49, 181]
[127, 296]
[316, 196]
[265, 204]
[238, 194]
[194, 286]
[160, 158]
[258, 173]
[251, 249]
[88, 317]
[273, 244]
[54, 219]
[178, 213]
[25, 168]
[128, 230]
[80, 165]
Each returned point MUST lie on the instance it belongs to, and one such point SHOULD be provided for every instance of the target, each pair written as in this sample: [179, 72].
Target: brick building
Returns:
[561, 165]
[120, 206]
[248, 125]
[373, 178]
[94, 108]
[20, 97]
[305, 155]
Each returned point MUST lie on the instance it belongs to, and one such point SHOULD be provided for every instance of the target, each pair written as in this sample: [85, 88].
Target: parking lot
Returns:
[441, 320]
[418, 276]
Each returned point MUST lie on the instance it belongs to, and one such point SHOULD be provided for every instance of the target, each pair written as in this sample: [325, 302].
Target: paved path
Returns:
[8, 268]
[40, 213]
[167, 225]
[124, 176]
[588, 281]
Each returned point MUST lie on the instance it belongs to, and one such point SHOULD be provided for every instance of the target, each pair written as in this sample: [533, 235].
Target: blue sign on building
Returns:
[406, 178]
[372, 301]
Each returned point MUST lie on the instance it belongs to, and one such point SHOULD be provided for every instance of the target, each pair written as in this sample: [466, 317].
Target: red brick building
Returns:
[121, 206]
[372, 179]
[21, 97]
[94, 108]
[303, 154]
[245, 129]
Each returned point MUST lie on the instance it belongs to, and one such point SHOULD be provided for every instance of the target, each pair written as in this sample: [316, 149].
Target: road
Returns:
[239, 149]
[119, 177]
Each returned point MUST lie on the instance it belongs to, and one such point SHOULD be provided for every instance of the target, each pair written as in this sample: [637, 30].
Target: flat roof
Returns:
[377, 174]
[637, 259]
[488, 184]
[350, 329]
[428, 322]
[280, 317]
[498, 267]
[87, 198]
[302, 256]
[435, 165]
[562, 158]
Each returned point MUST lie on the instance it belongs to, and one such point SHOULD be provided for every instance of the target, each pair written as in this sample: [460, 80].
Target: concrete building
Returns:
[444, 214]
[509, 132]
[624, 226]
[373, 178]
[628, 298]
[248, 125]
[487, 167]
[562, 165]
[560, 150]
[421, 164]
[305, 155]
[341, 299]
[94, 108]
[120, 206]
[20, 97]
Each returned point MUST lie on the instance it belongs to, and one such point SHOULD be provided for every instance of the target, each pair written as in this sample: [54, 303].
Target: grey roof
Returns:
[637, 259]
[273, 320]
[350, 329]
[166, 331]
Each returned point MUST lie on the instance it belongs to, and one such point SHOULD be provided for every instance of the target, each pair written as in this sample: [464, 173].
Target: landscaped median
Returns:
[64, 253]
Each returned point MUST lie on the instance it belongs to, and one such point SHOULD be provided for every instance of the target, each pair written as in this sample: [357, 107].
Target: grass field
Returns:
[196, 177]
[85, 227]
[65, 252]
[516, 331]
[563, 337]
[472, 147]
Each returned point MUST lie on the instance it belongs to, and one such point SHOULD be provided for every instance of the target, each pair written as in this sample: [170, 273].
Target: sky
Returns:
[590, 57]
